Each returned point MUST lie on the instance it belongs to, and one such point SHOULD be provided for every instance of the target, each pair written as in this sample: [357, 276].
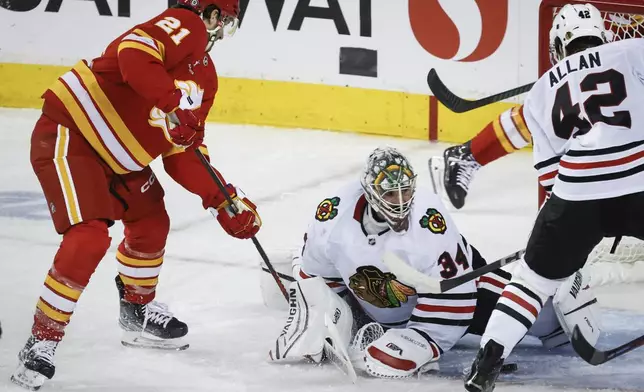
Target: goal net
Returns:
[623, 19]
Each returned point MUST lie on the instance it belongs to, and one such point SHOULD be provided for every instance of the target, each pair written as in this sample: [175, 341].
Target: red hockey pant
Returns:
[85, 197]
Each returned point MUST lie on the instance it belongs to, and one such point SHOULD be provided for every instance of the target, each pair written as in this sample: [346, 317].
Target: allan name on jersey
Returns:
[585, 61]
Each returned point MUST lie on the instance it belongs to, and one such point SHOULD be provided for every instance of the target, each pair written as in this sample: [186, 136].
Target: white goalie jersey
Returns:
[338, 249]
[587, 123]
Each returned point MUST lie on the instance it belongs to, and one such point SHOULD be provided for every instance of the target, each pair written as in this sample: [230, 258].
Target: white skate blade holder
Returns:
[138, 339]
[28, 379]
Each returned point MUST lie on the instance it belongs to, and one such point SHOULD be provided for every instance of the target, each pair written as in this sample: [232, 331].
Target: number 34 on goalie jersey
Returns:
[587, 125]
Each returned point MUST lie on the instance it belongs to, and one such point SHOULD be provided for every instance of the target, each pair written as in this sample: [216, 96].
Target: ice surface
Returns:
[211, 280]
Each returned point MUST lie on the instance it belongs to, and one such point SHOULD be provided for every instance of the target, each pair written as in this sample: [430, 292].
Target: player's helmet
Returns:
[227, 7]
[389, 184]
[228, 19]
[197, 5]
[575, 22]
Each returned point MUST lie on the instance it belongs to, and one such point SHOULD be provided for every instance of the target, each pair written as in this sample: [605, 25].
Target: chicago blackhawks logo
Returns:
[434, 221]
[327, 210]
[379, 288]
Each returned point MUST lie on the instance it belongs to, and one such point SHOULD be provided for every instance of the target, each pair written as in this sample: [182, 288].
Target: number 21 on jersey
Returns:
[170, 25]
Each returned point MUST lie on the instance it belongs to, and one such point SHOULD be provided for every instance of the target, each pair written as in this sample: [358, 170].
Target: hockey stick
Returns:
[428, 284]
[597, 357]
[460, 105]
[235, 210]
[281, 275]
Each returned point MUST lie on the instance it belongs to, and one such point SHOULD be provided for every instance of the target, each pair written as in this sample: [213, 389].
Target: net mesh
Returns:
[626, 263]
[365, 336]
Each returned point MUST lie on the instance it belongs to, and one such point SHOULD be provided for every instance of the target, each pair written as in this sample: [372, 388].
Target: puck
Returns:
[509, 368]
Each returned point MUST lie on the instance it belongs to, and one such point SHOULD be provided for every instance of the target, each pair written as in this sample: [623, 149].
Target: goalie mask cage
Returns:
[623, 19]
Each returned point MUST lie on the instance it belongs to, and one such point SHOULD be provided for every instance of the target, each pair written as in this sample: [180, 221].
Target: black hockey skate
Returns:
[485, 369]
[150, 325]
[36, 363]
[454, 173]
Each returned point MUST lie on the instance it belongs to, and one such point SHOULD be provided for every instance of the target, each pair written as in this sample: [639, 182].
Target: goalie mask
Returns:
[389, 184]
[572, 22]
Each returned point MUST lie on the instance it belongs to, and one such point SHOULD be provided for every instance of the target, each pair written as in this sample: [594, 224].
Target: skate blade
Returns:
[436, 173]
[143, 340]
[28, 379]
[437, 177]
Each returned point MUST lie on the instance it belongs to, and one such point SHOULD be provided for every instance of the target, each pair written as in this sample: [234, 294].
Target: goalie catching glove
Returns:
[243, 223]
[400, 353]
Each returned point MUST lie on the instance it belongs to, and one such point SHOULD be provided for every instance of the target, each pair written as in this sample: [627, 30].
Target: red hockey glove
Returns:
[188, 130]
[246, 223]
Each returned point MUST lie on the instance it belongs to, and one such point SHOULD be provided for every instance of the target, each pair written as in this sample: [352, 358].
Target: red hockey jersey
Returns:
[119, 101]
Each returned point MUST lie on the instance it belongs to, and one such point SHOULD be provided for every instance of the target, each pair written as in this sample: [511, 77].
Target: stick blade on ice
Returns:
[584, 349]
[597, 357]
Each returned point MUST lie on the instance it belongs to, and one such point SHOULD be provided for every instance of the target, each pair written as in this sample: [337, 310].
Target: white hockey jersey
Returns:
[587, 123]
[338, 249]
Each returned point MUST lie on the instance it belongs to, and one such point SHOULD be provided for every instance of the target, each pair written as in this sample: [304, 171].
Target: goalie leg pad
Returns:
[281, 261]
[316, 313]
[548, 329]
[576, 305]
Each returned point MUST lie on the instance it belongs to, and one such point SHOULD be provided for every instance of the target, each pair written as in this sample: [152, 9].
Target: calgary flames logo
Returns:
[192, 93]
[159, 119]
[380, 289]
[192, 99]
[437, 33]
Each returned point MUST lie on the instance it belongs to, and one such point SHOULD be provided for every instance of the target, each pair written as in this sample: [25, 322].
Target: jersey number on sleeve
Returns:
[566, 116]
[450, 268]
[170, 25]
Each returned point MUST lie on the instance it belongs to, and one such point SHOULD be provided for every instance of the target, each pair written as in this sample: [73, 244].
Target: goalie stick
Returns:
[460, 105]
[428, 284]
[597, 357]
[235, 210]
